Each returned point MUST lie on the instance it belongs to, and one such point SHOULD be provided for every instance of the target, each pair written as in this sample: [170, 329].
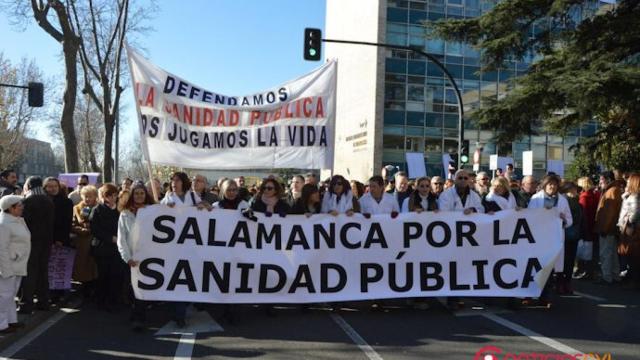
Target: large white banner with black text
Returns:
[182, 124]
[187, 254]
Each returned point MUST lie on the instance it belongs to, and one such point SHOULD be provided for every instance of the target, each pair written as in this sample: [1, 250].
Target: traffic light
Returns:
[312, 44]
[464, 152]
[36, 94]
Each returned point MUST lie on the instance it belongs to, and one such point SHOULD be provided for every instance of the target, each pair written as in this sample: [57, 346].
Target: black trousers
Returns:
[111, 270]
[37, 280]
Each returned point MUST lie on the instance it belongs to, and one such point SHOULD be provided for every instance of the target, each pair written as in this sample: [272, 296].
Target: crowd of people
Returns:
[97, 222]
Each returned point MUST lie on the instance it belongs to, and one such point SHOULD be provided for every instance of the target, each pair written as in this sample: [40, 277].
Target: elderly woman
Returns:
[15, 246]
[500, 197]
[230, 199]
[84, 266]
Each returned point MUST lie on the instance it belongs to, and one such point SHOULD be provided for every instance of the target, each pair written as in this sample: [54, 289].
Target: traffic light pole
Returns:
[440, 65]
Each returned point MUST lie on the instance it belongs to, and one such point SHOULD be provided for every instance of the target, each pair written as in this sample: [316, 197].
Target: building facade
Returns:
[37, 160]
[391, 102]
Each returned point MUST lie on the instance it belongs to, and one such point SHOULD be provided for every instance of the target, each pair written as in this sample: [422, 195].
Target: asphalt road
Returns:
[599, 320]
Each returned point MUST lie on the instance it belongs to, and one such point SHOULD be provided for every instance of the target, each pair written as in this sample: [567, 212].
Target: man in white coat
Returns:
[376, 201]
[460, 197]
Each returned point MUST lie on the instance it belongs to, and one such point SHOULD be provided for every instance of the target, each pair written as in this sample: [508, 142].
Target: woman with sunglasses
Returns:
[338, 199]
[422, 199]
[269, 200]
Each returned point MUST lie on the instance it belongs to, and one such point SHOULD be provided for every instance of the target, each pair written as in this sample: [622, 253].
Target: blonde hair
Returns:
[585, 183]
[500, 180]
[89, 189]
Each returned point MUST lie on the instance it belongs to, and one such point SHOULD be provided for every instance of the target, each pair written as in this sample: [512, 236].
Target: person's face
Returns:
[16, 210]
[603, 182]
[231, 192]
[310, 180]
[82, 182]
[437, 186]
[12, 178]
[338, 188]
[315, 197]
[501, 190]
[529, 185]
[296, 184]
[139, 196]
[176, 185]
[402, 183]
[90, 199]
[483, 180]
[110, 199]
[126, 184]
[269, 189]
[375, 189]
[424, 187]
[52, 188]
[462, 180]
[241, 181]
[472, 180]
[199, 184]
[551, 188]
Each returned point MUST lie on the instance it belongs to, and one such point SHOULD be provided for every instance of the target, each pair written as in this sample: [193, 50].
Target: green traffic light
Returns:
[312, 52]
[464, 159]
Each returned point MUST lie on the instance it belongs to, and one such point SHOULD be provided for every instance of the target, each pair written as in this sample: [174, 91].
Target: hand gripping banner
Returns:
[183, 124]
[220, 256]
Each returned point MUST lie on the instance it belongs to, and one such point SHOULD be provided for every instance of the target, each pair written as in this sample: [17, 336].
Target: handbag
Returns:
[629, 238]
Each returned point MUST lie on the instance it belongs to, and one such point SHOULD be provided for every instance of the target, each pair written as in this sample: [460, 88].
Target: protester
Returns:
[377, 201]
[549, 198]
[572, 234]
[126, 184]
[499, 197]
[84, 266]
[449, 183]
[155, 183]
[357, 189]
[243, 191]
[295, 189]
[15, 247]
[528, 188]
[589, 199]
[338, 199]
[309, 201]
[75, 196]
[437, 185]
[460, 197]
[180, 194]
[139, 198]
[200, 187]
[606, 219]
[401, 188]
[483, 182]
[8, 183]
[104, 229]
[510, 173]
[230, 198]
[311, 178]
[629, 225]
[39, 217]
[422, 199]
[269, 199]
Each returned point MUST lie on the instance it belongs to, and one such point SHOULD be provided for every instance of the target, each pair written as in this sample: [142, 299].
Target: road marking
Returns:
[532, 334]
[594, 298]
[356, 338]
[39, 330]
[185, 347]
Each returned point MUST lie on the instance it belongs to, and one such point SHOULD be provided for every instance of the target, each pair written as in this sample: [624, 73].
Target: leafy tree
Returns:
[586, 69]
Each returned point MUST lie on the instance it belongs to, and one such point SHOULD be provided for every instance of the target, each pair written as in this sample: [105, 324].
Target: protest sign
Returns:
[61, 267]
[183, 124]
[223, 257]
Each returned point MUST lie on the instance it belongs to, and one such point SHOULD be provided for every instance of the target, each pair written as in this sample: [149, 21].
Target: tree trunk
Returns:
[107, 162]
[70, 49]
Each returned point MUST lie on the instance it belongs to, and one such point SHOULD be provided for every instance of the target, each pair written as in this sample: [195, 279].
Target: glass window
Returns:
[393, 117]
[396, 66]
[417, 17]
[415, 93]
[415, 106]
[433, 132]
[455, 70]
[454, 12]
[435, 46]
[397, 39]
[397, 15]
[393, 130]
[395, 78]
[453, 60]
[474, 4]
[434, 120]
[454, 2]
[415, 118]
[399, 28]
[417, 30]
[472, 72]
[417, 67]
[554, 153]
[415, 144]
[416, 79]
[434, 70]
[436, 13]
[490, 76]
[416, 41]
[393, 91]
[451, 121]
[450, 145]
[433, 144]
[453, 48]
[417, 5]
[393, 142]
[539, 151]
[394, 105]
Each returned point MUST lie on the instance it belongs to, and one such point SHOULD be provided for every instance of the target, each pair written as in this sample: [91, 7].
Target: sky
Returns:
[233, 47]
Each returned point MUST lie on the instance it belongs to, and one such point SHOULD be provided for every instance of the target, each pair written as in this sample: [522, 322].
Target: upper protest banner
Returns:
[183, 124]
[220, 256]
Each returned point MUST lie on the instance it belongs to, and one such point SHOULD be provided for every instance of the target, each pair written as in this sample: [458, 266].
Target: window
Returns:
[450, 145]
[393, 91]
[433, 144]
[415, 144]
[393, 142]
[396, 66]
[397, 15]
[435, 46]
[417, 67]
[434, 120]
[397, 39]
[393, 117]
[415, 118]
[554, 153]
[453, 48]
[415, 93]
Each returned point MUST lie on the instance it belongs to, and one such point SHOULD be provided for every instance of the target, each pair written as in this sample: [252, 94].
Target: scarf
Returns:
[35, 191]
[270, 202]
[504, 203]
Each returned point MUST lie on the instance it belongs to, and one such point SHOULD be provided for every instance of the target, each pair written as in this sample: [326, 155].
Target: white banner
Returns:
[185, 125]
[187, 254]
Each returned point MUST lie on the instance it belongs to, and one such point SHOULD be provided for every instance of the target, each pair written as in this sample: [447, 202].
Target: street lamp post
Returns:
[435, 61]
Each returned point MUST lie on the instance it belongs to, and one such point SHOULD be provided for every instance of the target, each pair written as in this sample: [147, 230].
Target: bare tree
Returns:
[90, 133]
[15, 114]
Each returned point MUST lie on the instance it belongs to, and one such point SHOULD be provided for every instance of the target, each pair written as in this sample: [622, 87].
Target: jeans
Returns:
[609, 263]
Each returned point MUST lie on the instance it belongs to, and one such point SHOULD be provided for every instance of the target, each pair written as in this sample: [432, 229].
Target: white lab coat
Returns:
[449, 200]
[537, 202]
[388, 204]
[189, 200]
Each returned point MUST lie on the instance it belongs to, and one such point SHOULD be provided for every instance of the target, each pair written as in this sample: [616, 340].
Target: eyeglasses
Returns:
[462, 178]
[438, 183]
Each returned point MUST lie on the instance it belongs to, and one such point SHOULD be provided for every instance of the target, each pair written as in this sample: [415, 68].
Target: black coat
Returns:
[258, 206]
[104, 226]
[39, 213]
[62, 220]
[299, 208]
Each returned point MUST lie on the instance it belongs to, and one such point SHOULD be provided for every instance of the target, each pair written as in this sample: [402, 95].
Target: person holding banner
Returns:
[295, 189]
[460, 197]
[230, 197]
[377, 201]
[308, 203]
[181, 194]
[139, 198]
[422, 199]
[269, 200]
[15, 247]
[500, 196]
[338, 199]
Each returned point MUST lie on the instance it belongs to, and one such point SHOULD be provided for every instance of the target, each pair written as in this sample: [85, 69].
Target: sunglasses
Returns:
[82, 184]
[463, 178]
[438, 183]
